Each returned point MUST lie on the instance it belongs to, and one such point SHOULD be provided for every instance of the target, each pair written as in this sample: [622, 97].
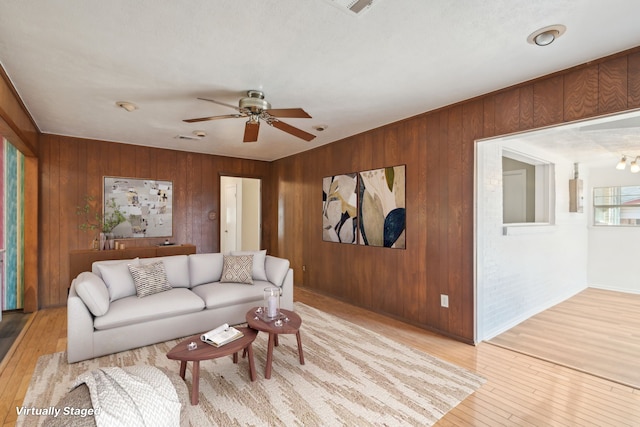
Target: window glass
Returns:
[617, 206]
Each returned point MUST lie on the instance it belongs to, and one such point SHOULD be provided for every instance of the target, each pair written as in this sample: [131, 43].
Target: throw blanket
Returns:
[133, 396]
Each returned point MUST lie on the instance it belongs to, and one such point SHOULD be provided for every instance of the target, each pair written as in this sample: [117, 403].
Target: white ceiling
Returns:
[70, 61]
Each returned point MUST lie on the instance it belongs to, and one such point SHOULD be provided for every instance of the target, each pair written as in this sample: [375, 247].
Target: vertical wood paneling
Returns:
[548, 101]
[633, 77]
[471, 131]
[453, 315]
[526, 107]
[507, 111]
[613, 85]
[581, 89]
[433, 204]
[489, 119]
[31, 234]
[71, 168]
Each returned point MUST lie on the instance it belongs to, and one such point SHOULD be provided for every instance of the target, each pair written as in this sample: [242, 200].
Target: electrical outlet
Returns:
[444, 300]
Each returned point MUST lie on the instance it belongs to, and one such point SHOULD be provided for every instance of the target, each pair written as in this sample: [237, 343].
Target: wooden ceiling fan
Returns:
[256, 108]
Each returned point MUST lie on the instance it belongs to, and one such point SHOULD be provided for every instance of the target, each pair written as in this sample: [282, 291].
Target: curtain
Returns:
[12, 233]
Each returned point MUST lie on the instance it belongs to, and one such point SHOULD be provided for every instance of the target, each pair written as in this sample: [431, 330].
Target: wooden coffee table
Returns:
[207, 352]
[289, 327]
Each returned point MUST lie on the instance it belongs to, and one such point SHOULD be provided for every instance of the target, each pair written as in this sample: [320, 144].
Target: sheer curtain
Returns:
[12, 234]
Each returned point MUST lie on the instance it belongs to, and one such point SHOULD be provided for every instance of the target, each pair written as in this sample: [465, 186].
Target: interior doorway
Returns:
[240, 214]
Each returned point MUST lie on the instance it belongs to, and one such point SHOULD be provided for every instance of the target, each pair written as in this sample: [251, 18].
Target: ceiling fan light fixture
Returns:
[547, 35]
[622, 163]
[635, 165]
[126, 105]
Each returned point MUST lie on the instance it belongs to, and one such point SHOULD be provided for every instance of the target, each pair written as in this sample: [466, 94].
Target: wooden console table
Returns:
[81, 260]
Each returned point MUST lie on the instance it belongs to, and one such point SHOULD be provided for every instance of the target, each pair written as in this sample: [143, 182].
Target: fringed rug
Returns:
[351, 376]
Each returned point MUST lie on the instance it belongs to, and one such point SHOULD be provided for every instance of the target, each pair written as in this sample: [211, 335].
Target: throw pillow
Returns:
[149, 279]
[117, 277]
[258, 271]
[93, 292]
[237, 269]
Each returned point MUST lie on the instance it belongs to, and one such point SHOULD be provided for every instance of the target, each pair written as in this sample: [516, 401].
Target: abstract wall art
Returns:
[381, 207]
[339, 209]
[366, 208]
[146, 204]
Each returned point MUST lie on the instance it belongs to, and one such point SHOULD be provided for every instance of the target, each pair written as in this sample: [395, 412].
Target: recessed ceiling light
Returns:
[129, 106]
[545, 36]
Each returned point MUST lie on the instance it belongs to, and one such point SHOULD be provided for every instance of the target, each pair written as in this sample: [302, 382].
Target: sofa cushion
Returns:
[277, 269]
[176, 267]
[149, 278]
[258, 269]
[205, 268]
[237, 269]
[117, 277]
[132, 310]
[221, 294]
[93, 292]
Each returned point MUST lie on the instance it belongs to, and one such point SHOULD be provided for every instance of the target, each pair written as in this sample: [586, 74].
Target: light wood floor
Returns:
[520, 390]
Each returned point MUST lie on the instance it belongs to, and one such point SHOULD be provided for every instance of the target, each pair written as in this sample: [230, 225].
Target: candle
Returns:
[272, 306]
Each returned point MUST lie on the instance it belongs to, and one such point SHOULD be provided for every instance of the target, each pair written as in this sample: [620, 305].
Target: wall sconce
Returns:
[635, 164]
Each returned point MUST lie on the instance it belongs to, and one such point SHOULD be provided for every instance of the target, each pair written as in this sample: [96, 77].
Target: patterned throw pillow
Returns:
[149, 278]
[237, 269]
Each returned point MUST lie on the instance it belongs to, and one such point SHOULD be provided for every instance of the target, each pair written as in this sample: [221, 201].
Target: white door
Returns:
[230, 224]
[514, 187]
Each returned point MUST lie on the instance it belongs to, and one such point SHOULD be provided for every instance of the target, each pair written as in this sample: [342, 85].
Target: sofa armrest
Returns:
[286, 296]
[79, 328]
[276, 269]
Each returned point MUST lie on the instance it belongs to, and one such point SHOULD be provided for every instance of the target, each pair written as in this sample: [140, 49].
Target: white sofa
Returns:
[105, 314]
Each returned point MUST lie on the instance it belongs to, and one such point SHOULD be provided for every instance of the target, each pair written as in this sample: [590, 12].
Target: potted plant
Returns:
[95, 220]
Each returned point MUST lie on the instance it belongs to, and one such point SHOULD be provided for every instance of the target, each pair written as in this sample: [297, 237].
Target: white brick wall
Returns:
[520, 275]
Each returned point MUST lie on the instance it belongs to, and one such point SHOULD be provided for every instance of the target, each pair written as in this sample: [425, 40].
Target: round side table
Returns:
[290, 326]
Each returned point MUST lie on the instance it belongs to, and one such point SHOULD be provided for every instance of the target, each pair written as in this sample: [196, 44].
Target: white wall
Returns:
[614, 252]
[520, 275]
[251, 214]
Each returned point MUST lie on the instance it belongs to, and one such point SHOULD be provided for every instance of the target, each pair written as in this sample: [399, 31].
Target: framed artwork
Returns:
[143, 207]
[381, 207]
[366, 208]
[339, 210]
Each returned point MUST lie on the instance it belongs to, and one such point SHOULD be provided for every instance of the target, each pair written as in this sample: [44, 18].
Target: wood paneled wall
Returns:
[71, 168]
[438, 150]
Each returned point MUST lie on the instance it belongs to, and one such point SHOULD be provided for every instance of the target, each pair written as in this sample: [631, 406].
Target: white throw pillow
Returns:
[258, 271]
[237, 269]
[93, 292]
[205, 268]
[149, 279]
[118, 278]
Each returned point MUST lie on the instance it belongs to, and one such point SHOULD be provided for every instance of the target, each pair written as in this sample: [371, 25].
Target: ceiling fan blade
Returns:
[204, 119]
[292, 130]
[295, 113]
[251, 131]
[220, 103]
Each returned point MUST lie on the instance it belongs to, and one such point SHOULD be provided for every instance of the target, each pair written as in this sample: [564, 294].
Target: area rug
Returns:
[351, 376]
